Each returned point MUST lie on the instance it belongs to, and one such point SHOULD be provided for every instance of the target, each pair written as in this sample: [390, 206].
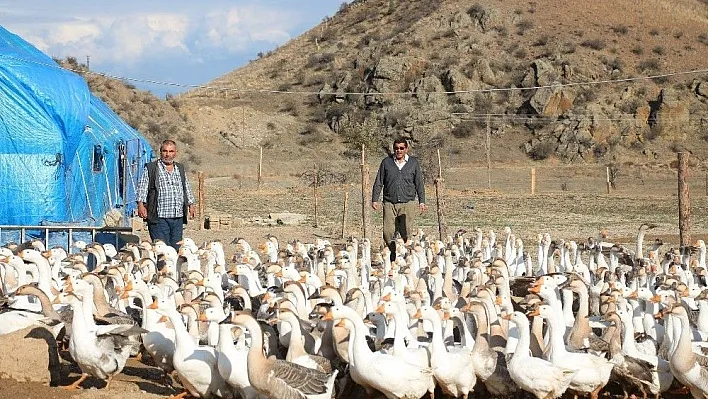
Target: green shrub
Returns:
[620, 29]
[658, 50]
[595, 44]
[464, 129]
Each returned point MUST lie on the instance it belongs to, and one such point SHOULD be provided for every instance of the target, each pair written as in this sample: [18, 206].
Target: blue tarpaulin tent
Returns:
[65, 157]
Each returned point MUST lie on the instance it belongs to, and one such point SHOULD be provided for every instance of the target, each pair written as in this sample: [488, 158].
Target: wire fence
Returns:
[568, 200]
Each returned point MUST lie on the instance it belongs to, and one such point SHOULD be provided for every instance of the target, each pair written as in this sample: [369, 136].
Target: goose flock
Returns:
[474, 315]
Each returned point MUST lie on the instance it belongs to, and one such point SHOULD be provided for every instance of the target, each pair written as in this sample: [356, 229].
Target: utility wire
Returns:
[407, 93]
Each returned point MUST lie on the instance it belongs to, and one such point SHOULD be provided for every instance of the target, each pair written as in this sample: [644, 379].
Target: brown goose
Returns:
[48, 311]
[277, 378]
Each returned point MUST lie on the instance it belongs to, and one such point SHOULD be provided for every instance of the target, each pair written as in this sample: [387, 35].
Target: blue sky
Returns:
[178, 41]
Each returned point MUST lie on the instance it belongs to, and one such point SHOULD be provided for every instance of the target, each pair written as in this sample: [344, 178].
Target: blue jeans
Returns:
[168, 230]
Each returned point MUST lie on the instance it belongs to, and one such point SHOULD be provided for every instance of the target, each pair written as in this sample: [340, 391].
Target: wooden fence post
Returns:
[315, 194]
[533, 181]
[200, 198]
[365, 195]
[260, 169]
[345, 213]
[607, 179]
[489, 154]
[440, 201]
[684, 200]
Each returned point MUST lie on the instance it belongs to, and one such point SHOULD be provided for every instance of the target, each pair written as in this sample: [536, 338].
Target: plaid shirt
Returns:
[170, 197]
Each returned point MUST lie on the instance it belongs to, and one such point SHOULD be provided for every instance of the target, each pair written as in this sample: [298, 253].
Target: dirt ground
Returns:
[569, 203]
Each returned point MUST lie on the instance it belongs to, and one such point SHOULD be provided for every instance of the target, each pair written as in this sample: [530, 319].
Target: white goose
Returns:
[232, 360]
[100, 351]
[593, 371]
[196, 365]
[538, 376]
[452, 367]
[390, 375]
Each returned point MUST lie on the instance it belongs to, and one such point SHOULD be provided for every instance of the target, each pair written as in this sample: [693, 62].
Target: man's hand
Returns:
[375, 205]
[422, 208]
[192, 212]
[142, 210]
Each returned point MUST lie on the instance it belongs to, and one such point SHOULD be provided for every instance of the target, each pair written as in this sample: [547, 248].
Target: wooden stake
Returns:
[260, 169]
[609, 185]
[533, 181]
[315, 194]
[440, 201]
[200, 198]
[243, 126]
[684, 200]
[365, 195]
[489, 154]
[345, 213]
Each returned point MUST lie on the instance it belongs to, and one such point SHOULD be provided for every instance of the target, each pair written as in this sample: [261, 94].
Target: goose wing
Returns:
[119, 329]
[293, 381]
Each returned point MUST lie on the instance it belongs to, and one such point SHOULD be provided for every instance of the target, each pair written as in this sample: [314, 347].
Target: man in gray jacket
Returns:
[401, 179]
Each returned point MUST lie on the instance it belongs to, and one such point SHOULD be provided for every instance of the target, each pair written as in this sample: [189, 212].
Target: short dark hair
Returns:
[400, 140]
[168, 142]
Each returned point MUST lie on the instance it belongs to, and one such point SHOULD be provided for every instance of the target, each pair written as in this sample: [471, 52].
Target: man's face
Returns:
[168, 153]
[400, 150]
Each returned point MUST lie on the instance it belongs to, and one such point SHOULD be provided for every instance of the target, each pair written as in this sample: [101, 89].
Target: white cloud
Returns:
[143, 39]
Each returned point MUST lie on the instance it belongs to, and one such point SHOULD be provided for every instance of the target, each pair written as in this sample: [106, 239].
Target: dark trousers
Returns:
[168, 230]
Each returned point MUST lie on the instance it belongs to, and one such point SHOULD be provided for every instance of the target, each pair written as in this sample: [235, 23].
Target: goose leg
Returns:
[167, 380]
[77, 383]
[108, 382]
[180, 396]
[594, 394]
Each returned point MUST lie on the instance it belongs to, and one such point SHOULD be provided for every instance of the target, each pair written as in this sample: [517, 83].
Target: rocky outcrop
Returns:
[430, 91]
[550, 99]
[669, 116]
[455, 81]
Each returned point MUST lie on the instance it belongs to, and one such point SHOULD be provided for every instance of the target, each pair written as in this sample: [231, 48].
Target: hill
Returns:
[552, 80]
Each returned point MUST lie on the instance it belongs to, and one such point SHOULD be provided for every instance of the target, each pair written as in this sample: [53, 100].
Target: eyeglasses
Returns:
[399, 148]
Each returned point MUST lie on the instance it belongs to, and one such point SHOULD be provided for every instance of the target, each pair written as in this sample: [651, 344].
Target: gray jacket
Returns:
[399, 186]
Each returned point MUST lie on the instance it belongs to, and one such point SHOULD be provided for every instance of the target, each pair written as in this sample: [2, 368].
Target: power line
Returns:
[407, 93]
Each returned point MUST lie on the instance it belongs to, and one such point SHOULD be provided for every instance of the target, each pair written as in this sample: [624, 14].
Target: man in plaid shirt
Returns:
[165, 196]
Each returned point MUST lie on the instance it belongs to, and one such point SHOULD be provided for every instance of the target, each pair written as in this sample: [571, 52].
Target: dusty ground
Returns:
[570, 203]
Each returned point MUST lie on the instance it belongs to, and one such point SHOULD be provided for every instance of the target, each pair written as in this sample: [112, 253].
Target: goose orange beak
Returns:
[380, 309]
[386, 297]
[418, 314]
[153, 305]
[328, 316]
[535, 312]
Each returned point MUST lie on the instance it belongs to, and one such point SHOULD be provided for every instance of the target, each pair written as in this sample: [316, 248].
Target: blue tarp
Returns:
[65, 157]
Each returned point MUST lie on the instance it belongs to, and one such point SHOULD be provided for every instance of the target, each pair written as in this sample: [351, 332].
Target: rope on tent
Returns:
[83, 179]
[108, 184]
[103, 161]
[132, 180]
